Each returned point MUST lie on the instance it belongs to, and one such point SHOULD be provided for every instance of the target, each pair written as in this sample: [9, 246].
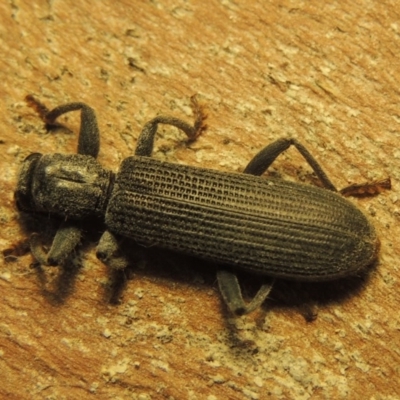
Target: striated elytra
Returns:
[270, 227]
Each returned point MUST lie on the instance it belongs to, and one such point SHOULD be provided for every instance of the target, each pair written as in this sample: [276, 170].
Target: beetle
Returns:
[269, 227]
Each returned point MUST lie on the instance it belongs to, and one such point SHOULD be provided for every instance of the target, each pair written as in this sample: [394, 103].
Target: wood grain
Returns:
[326, 74]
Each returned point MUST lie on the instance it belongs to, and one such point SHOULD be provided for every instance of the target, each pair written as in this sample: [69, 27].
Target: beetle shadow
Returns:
[304, 295]
[58, 287]
[157, 264]
[56, 283]
[286, 295]
[160, 264]
[307, 297]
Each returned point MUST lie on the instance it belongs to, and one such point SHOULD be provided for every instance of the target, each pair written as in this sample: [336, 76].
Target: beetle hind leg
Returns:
[232, 294]
[265, 157]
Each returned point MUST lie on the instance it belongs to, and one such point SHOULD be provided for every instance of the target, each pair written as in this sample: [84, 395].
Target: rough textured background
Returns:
[327, 74]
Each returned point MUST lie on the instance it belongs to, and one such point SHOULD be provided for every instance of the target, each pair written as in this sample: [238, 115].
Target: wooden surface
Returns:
[326, 74]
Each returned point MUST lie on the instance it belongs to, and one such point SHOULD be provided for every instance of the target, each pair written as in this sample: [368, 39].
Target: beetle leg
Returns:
[264, 158]
[65, 241]
[89, 136]
[232, 295]
[108, 251]
[367, 188]
[145, 143]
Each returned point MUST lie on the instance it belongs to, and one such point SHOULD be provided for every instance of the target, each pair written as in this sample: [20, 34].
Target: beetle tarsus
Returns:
[232, 294]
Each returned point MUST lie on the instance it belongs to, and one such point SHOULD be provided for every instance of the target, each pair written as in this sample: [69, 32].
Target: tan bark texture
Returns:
[326, 73]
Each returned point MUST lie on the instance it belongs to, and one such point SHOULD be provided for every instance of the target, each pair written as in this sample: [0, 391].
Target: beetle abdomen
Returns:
[270, 227]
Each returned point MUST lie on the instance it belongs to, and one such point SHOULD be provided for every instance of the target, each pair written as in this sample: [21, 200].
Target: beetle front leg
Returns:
[109, 251]
[69, 234]
[65, 241]
[89, 136]
[232, 295]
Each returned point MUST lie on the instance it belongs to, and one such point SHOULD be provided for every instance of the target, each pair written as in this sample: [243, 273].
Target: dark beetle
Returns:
[268, 227]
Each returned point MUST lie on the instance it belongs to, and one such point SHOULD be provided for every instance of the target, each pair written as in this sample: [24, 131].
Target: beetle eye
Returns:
[22, 195]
